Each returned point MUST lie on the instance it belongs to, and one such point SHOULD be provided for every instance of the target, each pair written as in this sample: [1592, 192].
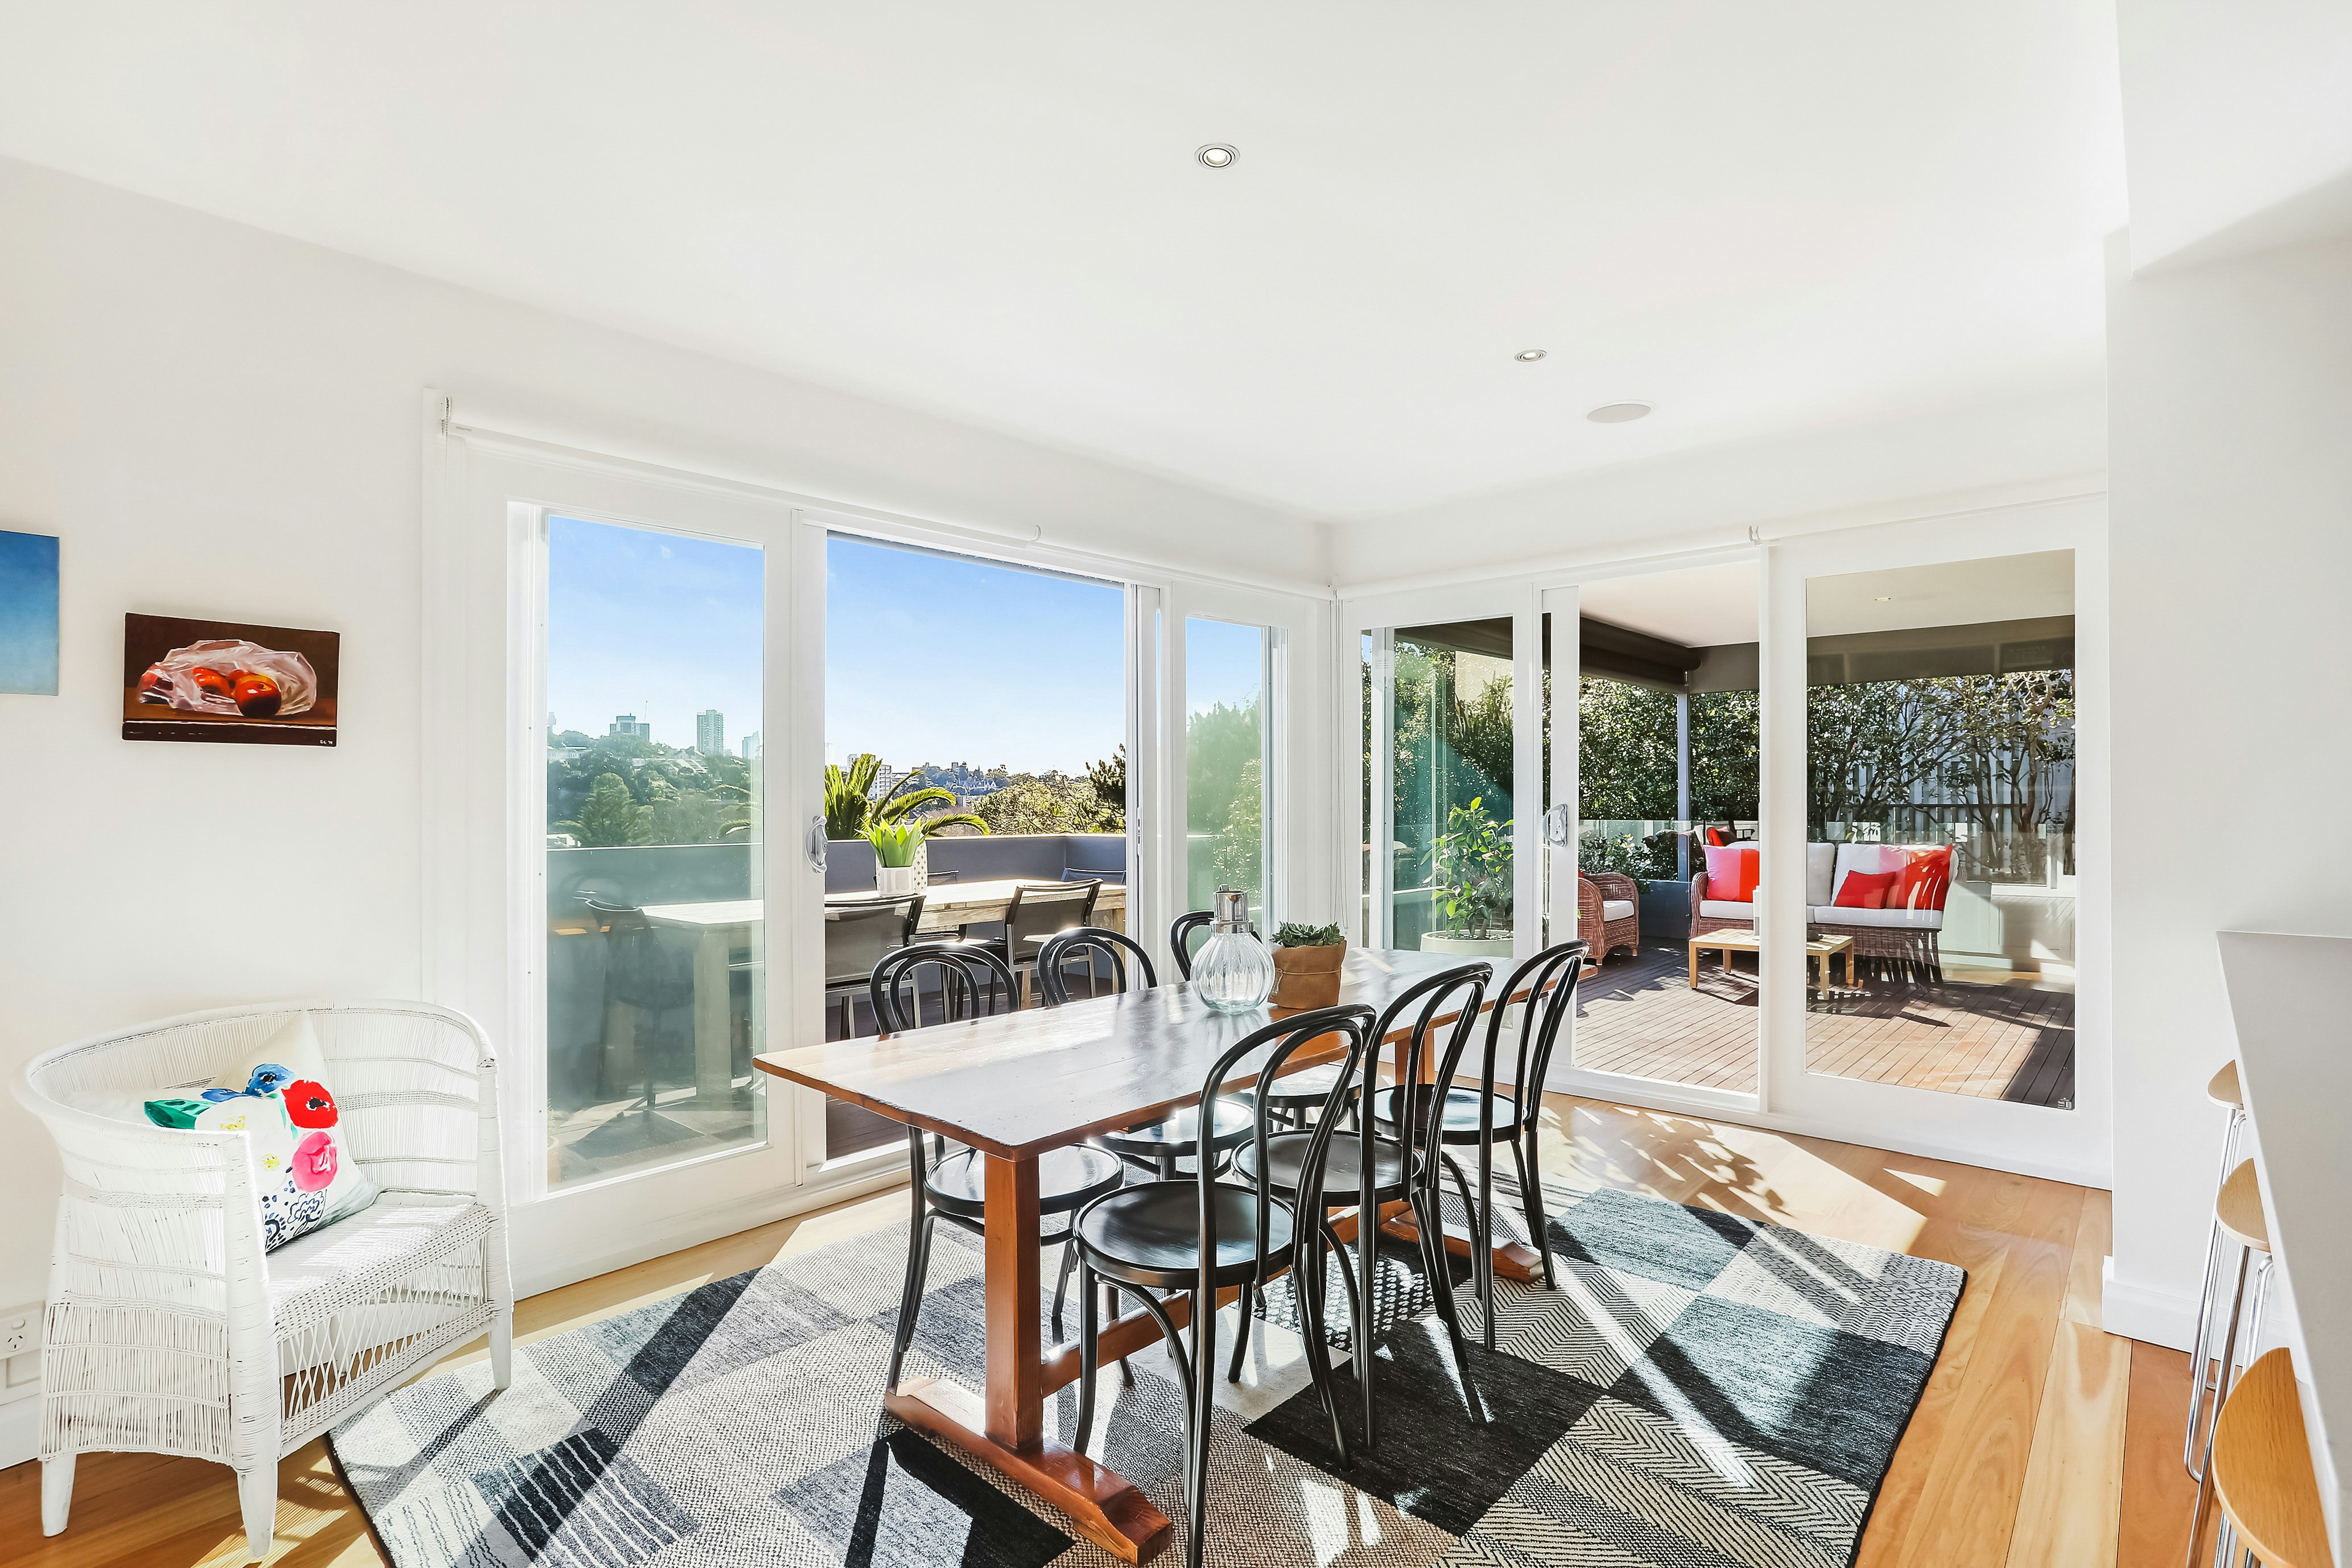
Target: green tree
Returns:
[1238, 856]
[610, 817]
[1108, 780]
[1625, 761]
[1034, 805]
[1726, 756]
[1220, 742]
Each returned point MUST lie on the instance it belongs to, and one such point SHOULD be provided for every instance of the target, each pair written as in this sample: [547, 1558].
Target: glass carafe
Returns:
[1235, 973]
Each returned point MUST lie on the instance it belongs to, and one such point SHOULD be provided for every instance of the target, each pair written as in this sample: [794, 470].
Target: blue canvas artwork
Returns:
[28, 614]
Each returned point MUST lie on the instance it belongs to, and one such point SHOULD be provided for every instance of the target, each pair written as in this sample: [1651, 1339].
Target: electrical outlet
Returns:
[20, 1331]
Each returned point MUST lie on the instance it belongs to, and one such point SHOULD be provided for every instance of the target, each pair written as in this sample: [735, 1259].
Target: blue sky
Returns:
[928, 657]
[657, 625]
[28, 614]
[943, 659]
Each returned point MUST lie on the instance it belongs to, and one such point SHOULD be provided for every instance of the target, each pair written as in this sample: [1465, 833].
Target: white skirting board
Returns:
[2138, 1312]
[20, 1431]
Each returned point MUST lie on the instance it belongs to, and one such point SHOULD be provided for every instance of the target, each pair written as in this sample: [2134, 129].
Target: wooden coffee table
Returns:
[1821, 949]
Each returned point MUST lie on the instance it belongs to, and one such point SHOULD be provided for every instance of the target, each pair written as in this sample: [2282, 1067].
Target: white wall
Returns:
[2238, 120]
[2231, 463]
[1907, 466]
[222, 422]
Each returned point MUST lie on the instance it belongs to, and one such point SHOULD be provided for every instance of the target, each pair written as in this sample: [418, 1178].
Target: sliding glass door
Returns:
[1228, 719]
[1830, 812]
[656, 890]
[975, 719]
[1934, 697]
[1652, 724]
[1450, 781]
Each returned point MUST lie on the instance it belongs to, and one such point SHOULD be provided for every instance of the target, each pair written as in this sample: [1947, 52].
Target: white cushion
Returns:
[1616, 908]
[1725, 909]
[305, 1174]
[1909, 920]
[1871, 859]
[1821, 867]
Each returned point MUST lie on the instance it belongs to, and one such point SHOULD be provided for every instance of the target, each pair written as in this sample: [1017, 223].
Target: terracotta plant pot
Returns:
[1307, 976]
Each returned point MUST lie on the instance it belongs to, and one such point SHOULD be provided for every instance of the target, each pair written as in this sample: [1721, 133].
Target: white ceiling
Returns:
[1697, 606]
[1760, 218]
[1954, 594]
[1701, 606]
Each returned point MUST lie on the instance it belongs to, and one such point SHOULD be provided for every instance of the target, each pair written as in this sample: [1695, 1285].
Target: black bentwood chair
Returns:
[954, 1187]
[1395, 1172]
[1480, 1118]
[1160, 1145]
[1203, 1235]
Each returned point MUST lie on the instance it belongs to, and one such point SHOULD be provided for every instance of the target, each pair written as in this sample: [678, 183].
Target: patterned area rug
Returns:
[1699, 1392]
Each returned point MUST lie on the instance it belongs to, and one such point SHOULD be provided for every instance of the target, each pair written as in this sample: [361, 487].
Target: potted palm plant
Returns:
[1470, 864]
[851, 813]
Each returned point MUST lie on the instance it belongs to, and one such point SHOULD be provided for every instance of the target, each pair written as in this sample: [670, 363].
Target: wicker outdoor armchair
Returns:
[170, 1331]
[1593, 891]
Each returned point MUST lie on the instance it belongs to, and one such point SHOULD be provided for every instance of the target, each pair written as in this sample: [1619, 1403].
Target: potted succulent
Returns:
[894, 847]
[1306, 961]
[1470, 863]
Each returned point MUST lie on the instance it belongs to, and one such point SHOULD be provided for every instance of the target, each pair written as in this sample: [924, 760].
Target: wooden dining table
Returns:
[1016, 1085]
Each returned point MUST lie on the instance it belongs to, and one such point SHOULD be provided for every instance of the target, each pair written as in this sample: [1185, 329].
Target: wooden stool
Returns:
[2262, 1472]
[2238, 1214]
[2202, 1381]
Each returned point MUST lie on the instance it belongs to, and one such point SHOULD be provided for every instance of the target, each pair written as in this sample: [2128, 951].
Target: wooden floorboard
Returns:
[1640, 1015]
[2041, 1439]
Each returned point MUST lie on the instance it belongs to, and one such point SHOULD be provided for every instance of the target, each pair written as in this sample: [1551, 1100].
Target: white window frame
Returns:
[2075, 1146]
[483, 754]
[1295, 769]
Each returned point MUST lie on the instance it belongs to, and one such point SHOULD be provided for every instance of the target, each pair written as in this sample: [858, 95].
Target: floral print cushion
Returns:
[304, 1172]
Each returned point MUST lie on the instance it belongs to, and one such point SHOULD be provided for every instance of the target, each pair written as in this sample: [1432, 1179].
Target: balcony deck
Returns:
[1981, 1033]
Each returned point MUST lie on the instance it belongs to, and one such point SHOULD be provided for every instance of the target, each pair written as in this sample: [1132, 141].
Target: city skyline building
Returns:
[626, 724]
[710, 733]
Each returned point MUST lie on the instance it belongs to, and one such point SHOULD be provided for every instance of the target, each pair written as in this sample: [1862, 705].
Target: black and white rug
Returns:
[1700, 1392]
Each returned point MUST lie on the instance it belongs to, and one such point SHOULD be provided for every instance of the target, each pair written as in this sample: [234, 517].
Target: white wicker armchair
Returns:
[169, 1331]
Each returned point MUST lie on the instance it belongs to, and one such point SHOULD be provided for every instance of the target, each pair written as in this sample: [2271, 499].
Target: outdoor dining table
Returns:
[722, 925]
[1016, 1085]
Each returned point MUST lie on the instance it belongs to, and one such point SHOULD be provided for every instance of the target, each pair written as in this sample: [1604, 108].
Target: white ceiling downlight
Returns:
[1217, 155]
[1529, 356]
[1618, 413]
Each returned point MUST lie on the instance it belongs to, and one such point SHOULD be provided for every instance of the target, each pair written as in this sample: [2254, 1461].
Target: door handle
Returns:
[1556, 825]
[817, 843]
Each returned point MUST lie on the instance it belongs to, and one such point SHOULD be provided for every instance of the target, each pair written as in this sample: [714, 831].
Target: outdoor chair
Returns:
[857, 937]
[1607, 913]
[644, 978]
[1036, 911]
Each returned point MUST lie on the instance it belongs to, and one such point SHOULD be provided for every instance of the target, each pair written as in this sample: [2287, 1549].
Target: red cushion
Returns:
[1925, 881]
[1865, 889]
[1714, 837]
[1732, 871]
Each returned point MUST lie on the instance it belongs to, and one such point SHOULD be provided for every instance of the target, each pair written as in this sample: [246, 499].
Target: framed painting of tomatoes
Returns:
[221, 680]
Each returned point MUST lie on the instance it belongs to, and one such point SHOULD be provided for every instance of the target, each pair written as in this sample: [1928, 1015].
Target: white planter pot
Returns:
[894, 882]
[1456, 945]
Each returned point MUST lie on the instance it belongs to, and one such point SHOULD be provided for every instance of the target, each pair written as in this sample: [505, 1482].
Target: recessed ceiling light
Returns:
[1882, 599]
[1529, 356]
[1618, 413]
[1217, 155]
